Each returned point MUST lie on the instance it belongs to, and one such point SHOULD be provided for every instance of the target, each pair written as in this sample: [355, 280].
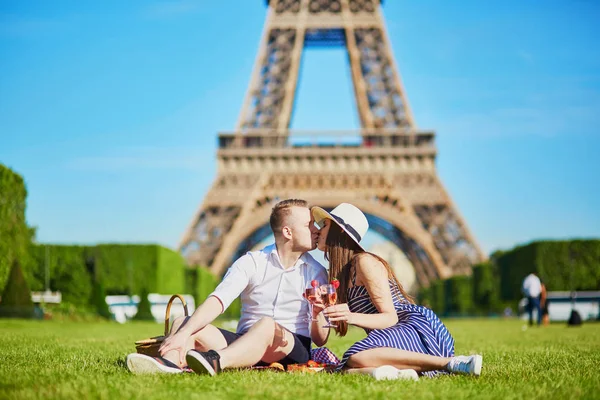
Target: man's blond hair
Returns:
[281, 211]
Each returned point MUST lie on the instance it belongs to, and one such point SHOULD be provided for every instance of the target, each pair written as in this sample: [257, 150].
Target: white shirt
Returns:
[532, 286]
[267, 289]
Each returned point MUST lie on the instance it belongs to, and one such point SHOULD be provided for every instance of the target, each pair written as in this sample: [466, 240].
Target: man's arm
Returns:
[204, 315]
[234, 282]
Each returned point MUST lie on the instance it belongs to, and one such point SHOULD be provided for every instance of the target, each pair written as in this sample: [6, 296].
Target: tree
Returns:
[16, 298]
[99, 301]
[144, 312]
[15, 235]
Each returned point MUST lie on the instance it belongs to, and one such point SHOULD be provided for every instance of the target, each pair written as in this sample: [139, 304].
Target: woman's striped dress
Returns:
[418, 328]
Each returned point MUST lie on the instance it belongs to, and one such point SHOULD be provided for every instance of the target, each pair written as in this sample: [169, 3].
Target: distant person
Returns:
[544, 305]
[532, 289]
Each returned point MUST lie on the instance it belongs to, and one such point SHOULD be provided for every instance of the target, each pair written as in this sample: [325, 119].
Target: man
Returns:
[275, 325]
[532, 288]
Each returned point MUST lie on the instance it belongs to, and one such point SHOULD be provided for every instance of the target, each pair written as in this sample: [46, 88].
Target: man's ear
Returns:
[287, 232]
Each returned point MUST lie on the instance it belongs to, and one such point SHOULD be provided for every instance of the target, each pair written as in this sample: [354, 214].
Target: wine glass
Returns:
[329, 296]
[311, 296]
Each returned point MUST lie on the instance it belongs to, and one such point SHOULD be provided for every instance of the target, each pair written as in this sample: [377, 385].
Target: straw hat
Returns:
[346, 216]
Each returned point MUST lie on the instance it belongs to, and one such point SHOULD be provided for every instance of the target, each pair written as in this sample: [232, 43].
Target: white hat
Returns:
[348, 217]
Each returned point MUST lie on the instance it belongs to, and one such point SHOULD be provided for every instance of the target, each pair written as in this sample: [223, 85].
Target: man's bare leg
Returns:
[208, 338]
[266, 341]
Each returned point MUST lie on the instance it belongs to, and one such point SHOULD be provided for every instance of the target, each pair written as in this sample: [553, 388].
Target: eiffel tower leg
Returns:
[377, 85]
[271, 93]
[449, 232]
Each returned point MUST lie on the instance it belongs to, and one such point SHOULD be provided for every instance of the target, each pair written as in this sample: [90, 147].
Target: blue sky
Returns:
[110, 109]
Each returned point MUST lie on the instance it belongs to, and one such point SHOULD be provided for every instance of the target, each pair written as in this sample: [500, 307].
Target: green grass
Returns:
[44, 359]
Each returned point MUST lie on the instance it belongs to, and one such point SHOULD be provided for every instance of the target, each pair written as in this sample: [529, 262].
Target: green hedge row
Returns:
[15, 235]
[561, 265]
[493, 285]
[121, 269]
[464, 295]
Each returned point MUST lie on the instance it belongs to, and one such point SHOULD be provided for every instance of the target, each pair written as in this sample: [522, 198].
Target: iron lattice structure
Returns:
[388, 170]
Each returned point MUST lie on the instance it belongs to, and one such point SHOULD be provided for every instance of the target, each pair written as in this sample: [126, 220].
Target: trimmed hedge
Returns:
[170, 275]
[15, 235]
[206, 282]
[122, 269]
[562, 265]
[459, 295]
[67, 271]
[98, 301]
[438, 296]
[486, 288]
[144, 311]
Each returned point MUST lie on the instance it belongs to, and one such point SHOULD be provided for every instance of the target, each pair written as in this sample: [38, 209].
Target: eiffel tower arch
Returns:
[387, 168]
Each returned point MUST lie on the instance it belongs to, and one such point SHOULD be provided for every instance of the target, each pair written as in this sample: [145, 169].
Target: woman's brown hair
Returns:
[342, 253]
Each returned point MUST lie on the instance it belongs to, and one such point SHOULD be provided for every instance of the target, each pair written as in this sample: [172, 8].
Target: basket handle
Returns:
[168, 313]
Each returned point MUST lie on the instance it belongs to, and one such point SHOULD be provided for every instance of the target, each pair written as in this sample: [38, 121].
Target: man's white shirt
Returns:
[267, 289]
[532, 286]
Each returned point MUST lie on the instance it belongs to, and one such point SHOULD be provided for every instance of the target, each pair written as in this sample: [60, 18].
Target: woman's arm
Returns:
[374, 276]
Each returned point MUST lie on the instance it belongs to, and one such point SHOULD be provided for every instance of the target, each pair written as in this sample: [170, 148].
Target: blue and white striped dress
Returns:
[418, 328]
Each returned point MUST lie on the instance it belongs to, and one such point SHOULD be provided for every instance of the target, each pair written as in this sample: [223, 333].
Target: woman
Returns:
[399, 333]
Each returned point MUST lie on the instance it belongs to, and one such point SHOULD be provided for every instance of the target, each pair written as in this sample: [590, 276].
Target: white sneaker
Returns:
[143, 364]
[386, 372]
[408, 374]
[470, 365]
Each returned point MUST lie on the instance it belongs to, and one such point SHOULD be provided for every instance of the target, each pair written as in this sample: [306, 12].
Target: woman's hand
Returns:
[339, 312]
[317, 304]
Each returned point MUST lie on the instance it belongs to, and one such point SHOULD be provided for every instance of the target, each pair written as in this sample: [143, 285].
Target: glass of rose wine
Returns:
[329, 297]
[311, 296]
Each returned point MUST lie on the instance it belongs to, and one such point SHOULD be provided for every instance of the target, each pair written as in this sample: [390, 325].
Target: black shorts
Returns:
[300, 353]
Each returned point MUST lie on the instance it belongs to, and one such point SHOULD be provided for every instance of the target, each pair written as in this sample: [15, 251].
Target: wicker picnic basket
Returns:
[150, 346]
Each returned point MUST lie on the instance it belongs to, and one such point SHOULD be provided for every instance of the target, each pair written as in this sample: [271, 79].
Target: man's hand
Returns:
[338, 312]
[176, 342]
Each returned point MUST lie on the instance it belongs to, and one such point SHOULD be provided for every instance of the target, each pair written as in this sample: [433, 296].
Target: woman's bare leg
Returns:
[401, 359]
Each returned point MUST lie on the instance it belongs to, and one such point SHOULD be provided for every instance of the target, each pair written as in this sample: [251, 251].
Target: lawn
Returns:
[45, 359]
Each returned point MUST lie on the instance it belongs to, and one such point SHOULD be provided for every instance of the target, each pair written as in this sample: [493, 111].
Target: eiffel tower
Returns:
[387, 169]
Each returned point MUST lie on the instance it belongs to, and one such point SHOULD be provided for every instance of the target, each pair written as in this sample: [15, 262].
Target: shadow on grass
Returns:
[120, 362]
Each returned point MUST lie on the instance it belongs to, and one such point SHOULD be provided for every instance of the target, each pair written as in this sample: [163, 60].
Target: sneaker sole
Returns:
[198, 364]
[139, 364]
[385, 372]
[388, 372]
[408, 374]
[477, 365]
